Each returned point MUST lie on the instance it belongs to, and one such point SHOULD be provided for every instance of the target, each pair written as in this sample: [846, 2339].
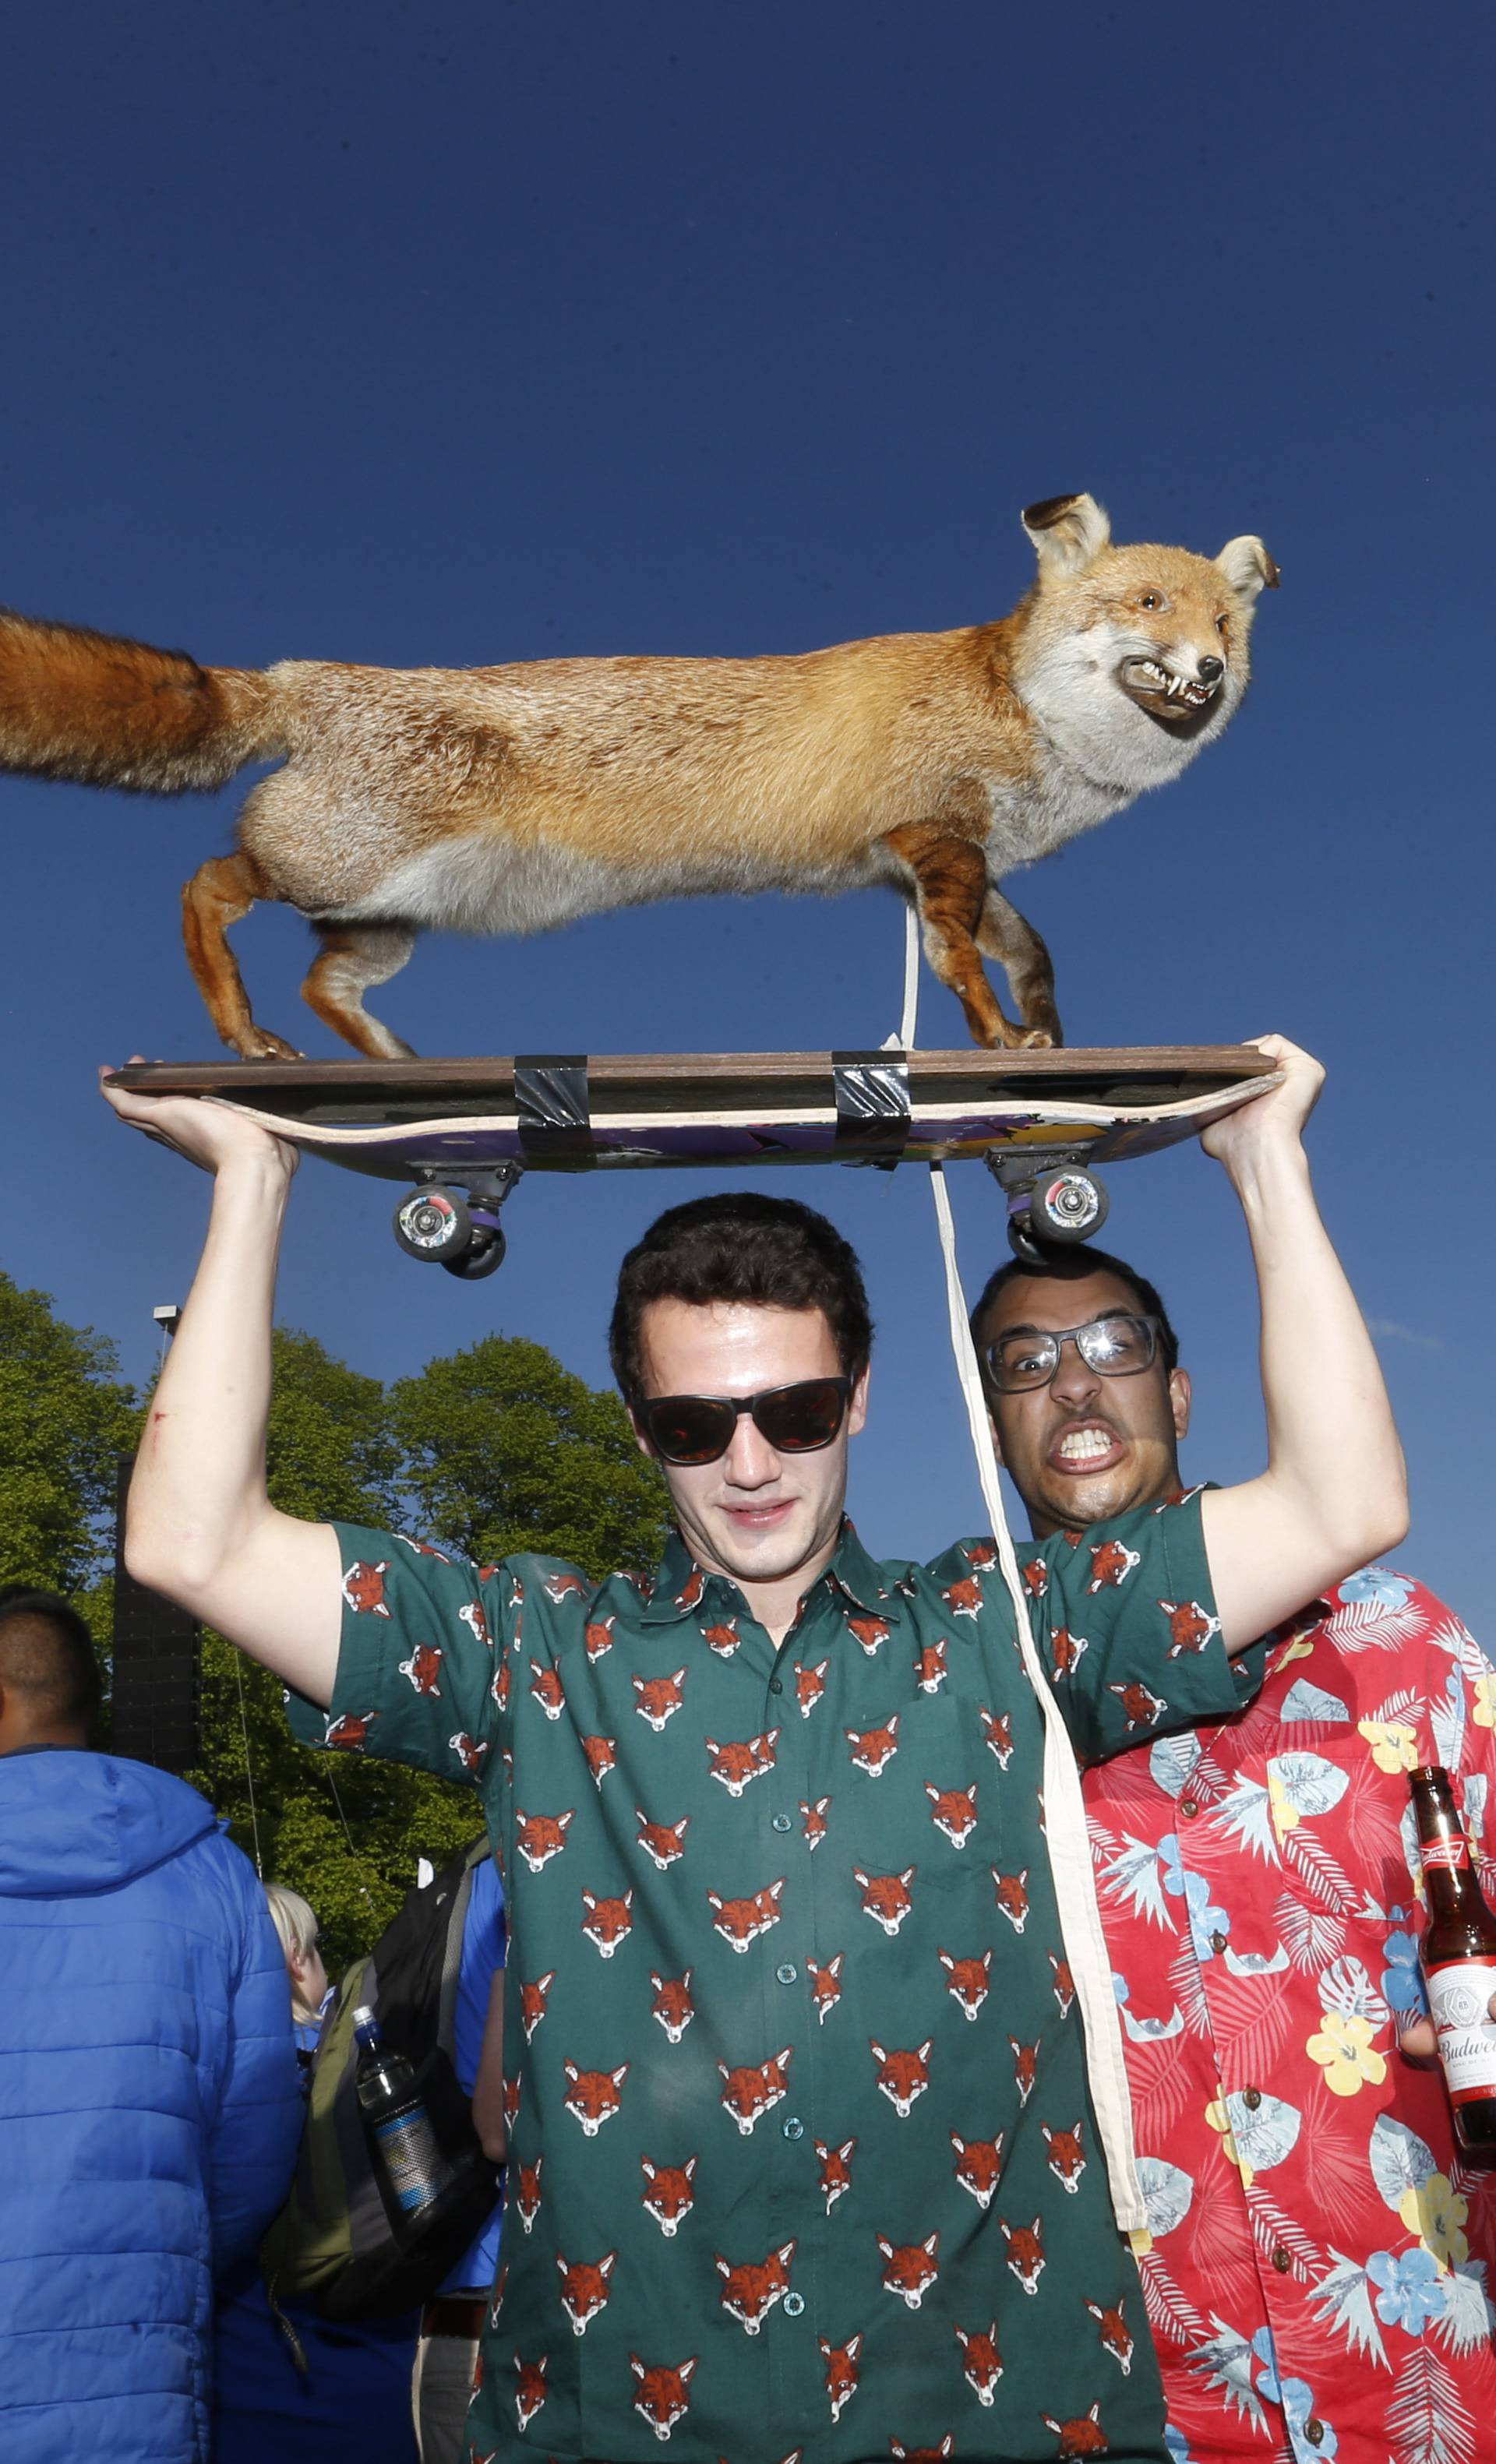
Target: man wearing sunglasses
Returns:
[1311, 2274]
[805, 2153]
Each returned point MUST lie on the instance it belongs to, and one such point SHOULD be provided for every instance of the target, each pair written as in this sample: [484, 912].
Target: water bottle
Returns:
[397, 2120]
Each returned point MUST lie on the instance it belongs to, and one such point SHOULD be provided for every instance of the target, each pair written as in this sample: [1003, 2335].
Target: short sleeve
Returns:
[421, 1661]
[1124, 1614]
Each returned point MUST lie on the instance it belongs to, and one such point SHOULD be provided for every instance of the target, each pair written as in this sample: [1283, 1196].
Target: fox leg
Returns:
[1004, 935]
[352, 958]
[950, 882]
[219, 893]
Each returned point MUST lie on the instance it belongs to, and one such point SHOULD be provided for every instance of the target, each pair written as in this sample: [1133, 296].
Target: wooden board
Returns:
[417, 1119]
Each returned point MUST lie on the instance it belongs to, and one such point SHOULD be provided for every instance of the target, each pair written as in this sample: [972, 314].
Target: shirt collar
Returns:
[681, 1588]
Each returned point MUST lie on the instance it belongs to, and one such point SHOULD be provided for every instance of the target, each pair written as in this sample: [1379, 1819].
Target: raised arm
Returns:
[1334, 1492]
[201, 1528]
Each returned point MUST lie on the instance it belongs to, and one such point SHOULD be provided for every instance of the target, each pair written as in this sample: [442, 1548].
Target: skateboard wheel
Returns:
[1029, 1251]
[433, 1223]
[1066, 1205]
[483, 1255]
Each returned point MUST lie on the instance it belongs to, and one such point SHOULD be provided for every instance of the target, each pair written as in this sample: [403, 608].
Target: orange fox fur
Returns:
[514, 798]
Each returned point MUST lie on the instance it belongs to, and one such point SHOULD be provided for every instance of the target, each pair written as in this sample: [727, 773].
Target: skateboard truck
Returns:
[440, 1225]
[1053, 1202]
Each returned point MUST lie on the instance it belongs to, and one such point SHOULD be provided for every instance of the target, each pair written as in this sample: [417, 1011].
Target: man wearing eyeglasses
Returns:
[1317, 2258]
[805, 2156]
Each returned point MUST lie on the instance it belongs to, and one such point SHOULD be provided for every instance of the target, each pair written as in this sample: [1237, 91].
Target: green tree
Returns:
[66, 1417]
[505, 1450]
[344, 1833]
[496, 1450]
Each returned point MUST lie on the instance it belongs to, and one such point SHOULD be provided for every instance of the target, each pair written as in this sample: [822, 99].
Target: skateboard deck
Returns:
[416, 1120]
[1041, 1120]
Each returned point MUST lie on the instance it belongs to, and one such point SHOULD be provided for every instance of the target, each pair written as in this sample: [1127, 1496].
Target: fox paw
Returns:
[259, 1044]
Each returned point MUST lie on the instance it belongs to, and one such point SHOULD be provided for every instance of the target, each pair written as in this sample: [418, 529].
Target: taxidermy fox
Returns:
[511, 799]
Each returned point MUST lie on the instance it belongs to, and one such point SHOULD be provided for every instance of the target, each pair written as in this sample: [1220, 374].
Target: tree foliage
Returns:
[66, 1417]
[494, 1450]
[506, 1450]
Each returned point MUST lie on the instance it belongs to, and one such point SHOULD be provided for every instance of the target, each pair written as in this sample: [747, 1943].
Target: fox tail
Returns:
[112, 713]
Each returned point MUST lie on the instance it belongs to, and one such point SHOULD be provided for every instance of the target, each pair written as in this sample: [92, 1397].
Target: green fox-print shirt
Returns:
[801, 2155]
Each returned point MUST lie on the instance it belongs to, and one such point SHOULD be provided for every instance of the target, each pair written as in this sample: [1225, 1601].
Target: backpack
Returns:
[340, 2246]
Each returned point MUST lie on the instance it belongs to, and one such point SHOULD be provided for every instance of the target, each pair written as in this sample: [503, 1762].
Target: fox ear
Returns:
[1249, 568]
[1068, 532]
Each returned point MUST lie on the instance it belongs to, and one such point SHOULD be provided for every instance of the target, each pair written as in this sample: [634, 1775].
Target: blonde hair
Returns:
[292, 1920]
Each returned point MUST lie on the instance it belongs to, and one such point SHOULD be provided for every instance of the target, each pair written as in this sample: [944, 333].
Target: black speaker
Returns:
[157, 1664]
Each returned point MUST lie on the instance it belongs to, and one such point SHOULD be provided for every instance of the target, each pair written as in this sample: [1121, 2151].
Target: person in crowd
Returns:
[451, 2324]
[798, 1988]
[1317, 2257]
[296, 1926]
[286, 2383]
[150, 2110]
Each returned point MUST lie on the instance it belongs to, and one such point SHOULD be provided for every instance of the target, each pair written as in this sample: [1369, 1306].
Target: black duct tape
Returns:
[872, 1101]
[554, 1109]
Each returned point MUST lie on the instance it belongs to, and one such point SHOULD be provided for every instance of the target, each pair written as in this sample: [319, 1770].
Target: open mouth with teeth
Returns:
[1162, 691]
[1086, 1447]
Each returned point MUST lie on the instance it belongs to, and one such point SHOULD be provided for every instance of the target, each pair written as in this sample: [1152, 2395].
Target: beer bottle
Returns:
[397, 2120]
[1459, 1959]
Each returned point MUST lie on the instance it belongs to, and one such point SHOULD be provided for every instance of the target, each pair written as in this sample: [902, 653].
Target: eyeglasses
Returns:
[697, 1428]
[1117, 1345]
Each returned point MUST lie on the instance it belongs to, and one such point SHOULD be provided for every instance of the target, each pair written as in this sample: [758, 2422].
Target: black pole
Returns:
[157, 1664]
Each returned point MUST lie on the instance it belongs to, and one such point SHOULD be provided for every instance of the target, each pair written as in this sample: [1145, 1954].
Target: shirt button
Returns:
[1281, 2260]
[1251, 2098]
[1218, 1942]
[1189, 1807]
[782, 1822]
[794, 2128]
[786, 1971]
[795, 2302]
[774, 1687]
[1313, 2430]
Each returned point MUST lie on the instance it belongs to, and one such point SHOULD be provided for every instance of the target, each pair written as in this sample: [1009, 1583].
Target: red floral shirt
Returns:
[1319, 2260]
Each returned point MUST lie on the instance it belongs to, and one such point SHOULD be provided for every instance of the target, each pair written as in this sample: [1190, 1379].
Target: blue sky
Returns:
[488, 333]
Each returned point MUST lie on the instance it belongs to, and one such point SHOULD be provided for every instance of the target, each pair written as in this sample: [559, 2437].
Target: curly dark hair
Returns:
[768, 1251]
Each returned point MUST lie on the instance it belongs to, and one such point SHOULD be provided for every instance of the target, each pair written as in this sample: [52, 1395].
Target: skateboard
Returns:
[462, 1133]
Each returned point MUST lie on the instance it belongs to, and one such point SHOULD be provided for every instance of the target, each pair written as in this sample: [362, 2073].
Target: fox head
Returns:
[910, 2268]
[1117, 2335]
[750, 2293]
[841, 2371]
[664, 2393]
[1136, 657]
[423, 1667]
[753, 2090]
[667, 2196]
[584, 2289]
[672, 2005]
[903, 2075]
[607, 1922]
[1067, 2157]
[983, 2363]
[836, 2174]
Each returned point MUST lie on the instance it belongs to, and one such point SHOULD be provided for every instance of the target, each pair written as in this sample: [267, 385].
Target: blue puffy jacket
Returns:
[150, 2106]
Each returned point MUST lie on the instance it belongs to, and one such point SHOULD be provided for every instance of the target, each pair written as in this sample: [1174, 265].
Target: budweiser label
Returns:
[1448, 1855]
[1459, 1997]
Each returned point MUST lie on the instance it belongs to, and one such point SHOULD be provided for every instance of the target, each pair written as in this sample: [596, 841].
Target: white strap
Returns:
[1064, 1813]
[904, 1041]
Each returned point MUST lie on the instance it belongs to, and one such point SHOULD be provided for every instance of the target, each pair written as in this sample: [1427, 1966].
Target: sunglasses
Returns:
[1118, 1345]
[698, 1428]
